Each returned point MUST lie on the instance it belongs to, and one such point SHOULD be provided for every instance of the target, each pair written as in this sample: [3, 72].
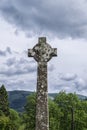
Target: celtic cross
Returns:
[42, 53]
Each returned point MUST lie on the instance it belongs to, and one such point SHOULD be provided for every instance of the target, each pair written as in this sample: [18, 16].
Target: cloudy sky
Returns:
[64, 23]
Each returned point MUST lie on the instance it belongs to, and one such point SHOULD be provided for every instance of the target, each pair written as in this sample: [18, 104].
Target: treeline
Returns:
[9, 118]
[66, 112]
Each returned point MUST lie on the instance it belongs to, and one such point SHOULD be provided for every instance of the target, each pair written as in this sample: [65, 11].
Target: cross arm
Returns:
[31, 53]
[54, 52]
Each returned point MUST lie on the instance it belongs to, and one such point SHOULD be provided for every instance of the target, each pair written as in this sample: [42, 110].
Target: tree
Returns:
[74, 113]
[54, 115]
[30, 111]
[14, 120]
[4, 104]
[4, 123]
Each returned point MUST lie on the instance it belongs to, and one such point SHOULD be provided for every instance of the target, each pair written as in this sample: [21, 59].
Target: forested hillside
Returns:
[17, 99]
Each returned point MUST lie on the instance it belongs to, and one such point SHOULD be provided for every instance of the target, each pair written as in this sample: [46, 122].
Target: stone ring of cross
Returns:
[42, 52]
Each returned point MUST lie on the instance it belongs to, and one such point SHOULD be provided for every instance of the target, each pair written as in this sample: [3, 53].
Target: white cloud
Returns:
[59, 18]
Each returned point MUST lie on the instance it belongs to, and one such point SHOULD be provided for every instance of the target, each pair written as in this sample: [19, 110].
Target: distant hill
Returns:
[81, 97]
[17, 99]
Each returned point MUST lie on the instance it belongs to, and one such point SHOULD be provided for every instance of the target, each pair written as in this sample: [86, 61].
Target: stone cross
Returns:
[42, 53]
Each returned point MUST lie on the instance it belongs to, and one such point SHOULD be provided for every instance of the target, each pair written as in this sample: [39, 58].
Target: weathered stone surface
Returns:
[42, 53]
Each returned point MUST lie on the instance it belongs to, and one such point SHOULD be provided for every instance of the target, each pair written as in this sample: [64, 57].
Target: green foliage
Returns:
[30, 110]
[10, 123]
[9, 118]
[4, 104]
[22, 127]
[4, 122]
[74, 111]
[54, 115]
[14, 120]
[66, 112]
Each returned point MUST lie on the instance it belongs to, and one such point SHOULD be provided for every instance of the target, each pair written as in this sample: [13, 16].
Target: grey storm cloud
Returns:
[16, 64]
[58, 17]
[12, 71]
[68, 77]
[16, 68]
[81, 84]
[18, 84]
[5, 52]
[14, 61]
[2, 53]
[71, 82]
[10, 61]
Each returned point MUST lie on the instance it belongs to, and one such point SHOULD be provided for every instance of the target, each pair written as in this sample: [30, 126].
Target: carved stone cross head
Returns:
[42, 52]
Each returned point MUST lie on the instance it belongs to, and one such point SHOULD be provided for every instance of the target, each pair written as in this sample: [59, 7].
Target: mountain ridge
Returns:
[17, 98]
